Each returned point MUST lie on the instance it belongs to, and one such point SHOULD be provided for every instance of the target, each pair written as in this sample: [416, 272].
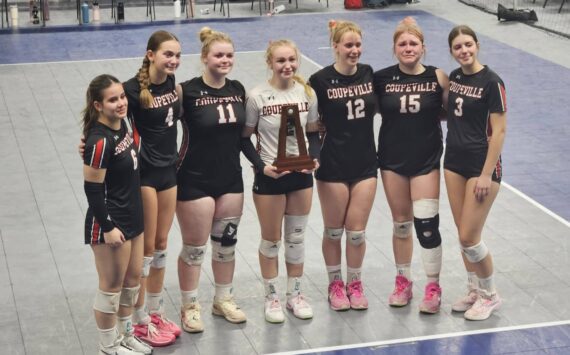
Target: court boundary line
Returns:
[426, 338]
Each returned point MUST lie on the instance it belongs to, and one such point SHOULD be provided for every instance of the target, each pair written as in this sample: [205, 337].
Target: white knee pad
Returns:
[224, 238]
[147, 260]
[431, 259]
[193, 255]
[333, 233]
[107, 302]
[295, 238]
[129, 296]
[426, 208]
[159, 259]
[403, 229]
[355, 237]
[269, 249]
[476, 253]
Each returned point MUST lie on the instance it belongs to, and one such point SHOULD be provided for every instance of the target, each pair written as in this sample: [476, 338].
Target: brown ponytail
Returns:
[95, 94]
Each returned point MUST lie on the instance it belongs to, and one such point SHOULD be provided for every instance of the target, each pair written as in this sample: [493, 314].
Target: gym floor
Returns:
[47, 276]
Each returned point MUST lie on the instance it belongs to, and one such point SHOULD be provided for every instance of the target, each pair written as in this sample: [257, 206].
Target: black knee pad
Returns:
[427, 231]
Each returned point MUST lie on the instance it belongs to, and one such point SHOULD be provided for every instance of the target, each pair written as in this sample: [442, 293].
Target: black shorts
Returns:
[470, 165]
[94, 234]
[189, 191]
[159, 178]
[265, 185]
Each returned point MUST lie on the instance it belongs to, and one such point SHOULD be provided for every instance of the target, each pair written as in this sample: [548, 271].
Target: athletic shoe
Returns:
[227, 308]
[164, 325]
[483, 307]
[432, 298]
[465, 302]
[135, 344]
[402, 293]
[273, 310]
[356, 296]
[337, 296]
[300, 307]
[118, 350]
[190, 317]
[150, 335]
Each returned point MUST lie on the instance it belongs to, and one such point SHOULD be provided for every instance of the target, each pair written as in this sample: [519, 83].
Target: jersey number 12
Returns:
[355, 109]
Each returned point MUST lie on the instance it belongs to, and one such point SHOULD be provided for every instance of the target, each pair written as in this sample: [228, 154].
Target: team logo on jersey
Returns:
[458, 76]
[396, 77]
[271, 97]
[115, 137]
[202, 93]
[334, 81]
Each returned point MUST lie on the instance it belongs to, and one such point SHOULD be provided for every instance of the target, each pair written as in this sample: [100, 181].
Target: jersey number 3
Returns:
[355, 109]
[223, 119]
[459, 110]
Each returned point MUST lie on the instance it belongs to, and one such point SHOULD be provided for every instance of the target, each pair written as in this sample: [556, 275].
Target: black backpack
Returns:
[374, 4]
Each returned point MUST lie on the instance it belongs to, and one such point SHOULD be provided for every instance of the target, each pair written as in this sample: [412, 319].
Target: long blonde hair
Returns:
[287, 43]
[143, 75]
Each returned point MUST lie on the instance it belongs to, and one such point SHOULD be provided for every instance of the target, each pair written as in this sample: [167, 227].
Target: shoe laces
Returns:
[229, 304]
[432, 290]
[192, 311]
[151, 330]
[355, 288]
[299, 301]
[274, 303]
[401, 284]
[337, 288]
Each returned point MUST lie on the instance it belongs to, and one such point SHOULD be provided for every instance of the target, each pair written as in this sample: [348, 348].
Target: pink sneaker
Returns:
[150, 335]
[164, 325]
[337, 296]
[483, 307]
[432, 298]
[465, 302]
[402, 293]
[356, 295]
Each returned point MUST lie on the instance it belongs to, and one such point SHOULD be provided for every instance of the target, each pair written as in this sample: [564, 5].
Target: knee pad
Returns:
[333, 233]
[147, 260]
[193, 255]
[355, 237]
[224, 238]
[426, 222]
[107, 302]
[129, 296]
[475, 253]
[269, 249]
[295, 238]
[159, 259]
[403, 229]
[431, 259]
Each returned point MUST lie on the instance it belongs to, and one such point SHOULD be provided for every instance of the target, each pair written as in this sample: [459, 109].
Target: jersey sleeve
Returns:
[98, 152]
[251, 111]
[313, 115]
[496, 97]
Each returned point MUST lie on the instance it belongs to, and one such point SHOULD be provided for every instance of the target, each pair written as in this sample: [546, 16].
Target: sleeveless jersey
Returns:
[213, 123]
[410, 139]
[157, 124]
[116, 151]
[263, 110]
[347, 106]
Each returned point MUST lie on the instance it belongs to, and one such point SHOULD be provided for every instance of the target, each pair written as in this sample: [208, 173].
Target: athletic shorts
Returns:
[470, 165]
[94, 234]
[189, 191]
[159, 178]
[265, 185]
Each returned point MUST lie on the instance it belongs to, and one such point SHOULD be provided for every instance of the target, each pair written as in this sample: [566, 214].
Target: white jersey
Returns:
[263, 109]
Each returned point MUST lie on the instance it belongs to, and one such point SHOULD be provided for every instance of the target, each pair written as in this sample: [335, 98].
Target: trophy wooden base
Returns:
[294, 163]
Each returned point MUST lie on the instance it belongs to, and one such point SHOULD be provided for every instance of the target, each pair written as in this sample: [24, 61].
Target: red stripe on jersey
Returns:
[489, 127]
[503, 97]
[499, 168]
[183, 145]
[137, 137]
[97, 157]
[95, 232]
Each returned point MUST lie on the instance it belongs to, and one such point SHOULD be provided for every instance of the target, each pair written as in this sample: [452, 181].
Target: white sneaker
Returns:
[273, 310]
[133, 343]
[483, 307]
[118, 350]
[465, 302]
[300, 307]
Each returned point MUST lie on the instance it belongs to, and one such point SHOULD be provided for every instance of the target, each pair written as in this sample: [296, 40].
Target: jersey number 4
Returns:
[355, 109]
[223, 118]
[410, 103]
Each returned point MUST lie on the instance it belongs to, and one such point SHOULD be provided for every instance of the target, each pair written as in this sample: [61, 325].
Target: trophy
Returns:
[291, 126]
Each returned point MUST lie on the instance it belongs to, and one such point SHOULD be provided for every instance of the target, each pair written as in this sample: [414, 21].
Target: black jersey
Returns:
[472, 98]
[213, 122]
[347, 106]
[410, 139]
[157, 124]
[116, 151]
